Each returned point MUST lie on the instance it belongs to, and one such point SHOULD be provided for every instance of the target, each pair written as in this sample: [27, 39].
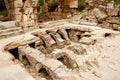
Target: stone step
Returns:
[9, 34]
[10, 30]
[9, 24]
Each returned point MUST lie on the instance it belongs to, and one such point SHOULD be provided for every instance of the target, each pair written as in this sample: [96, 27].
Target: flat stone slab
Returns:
[14, 72]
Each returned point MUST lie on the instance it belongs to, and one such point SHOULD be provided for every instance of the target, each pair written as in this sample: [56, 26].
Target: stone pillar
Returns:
[25, 11]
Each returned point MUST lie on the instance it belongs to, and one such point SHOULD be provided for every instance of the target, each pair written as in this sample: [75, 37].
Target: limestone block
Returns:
[32, 16]
[99, 14]
[87, 41]
[113, 20]
[60, 42]
[63, 33]
[38, 66]
[28, 10]
[38, 43]
[48, 40]
[105, 24]
[110, 5]
[25, 18]
[18, 3]
[32, 60]
[77, 49]
[22, 52]
[115, 26]
[17, 11]
[11, 5]
[18, 17]
[9, 24]
[27, 3]
[73, 4]
[113, 11]
[42, 49]
[34, 3]
[88, 23]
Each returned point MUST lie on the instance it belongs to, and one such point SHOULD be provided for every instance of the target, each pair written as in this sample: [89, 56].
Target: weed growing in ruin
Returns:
[81, 5]
[52, 5]
[22, 10]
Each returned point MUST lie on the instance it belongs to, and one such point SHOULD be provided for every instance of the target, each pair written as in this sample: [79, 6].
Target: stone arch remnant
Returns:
[23, 10]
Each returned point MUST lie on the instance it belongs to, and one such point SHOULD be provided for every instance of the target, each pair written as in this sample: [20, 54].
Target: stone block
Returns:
[116, 27]
[63, 33]
[99, 14]
[38, 66]
[113, 11]
[18, 3]
[77, 49]
[113, 20]
[87, 41]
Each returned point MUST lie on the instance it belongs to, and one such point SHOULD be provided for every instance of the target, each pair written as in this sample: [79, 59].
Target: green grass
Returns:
[117, 1]
[41, 2]
[85, 15]
[81, 5]
[22, 10]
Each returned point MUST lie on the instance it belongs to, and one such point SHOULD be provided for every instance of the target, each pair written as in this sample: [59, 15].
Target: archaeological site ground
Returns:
[59, 39]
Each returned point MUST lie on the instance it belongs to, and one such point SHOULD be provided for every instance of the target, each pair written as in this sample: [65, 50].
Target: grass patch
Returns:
[117, 1]
[41, 2]
[81, 5]
[84, 15]
[21, 10]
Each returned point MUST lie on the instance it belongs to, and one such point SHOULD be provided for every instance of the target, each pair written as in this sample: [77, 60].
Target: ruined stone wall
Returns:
[23, 10]
[108, 14]
[65, 9]
[105, 14]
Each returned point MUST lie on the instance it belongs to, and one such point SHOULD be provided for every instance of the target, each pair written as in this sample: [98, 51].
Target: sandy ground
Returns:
[108, 54]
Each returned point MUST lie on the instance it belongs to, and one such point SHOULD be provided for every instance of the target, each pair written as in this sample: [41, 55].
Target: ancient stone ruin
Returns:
[60, 53]
[24, 11]
[84, 46]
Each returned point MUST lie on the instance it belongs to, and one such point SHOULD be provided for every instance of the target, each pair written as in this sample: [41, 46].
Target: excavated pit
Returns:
[58, 52]
[48, 42]
[14, 52]
[65, 60]
[44, 74]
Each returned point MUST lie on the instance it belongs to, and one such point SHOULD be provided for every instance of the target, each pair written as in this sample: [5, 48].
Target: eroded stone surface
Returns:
[69, 51]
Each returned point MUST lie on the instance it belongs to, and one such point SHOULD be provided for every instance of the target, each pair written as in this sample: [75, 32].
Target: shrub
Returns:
[117, 1]
[52, 5]
[41, 2]
[81, 5]
[22, 10]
